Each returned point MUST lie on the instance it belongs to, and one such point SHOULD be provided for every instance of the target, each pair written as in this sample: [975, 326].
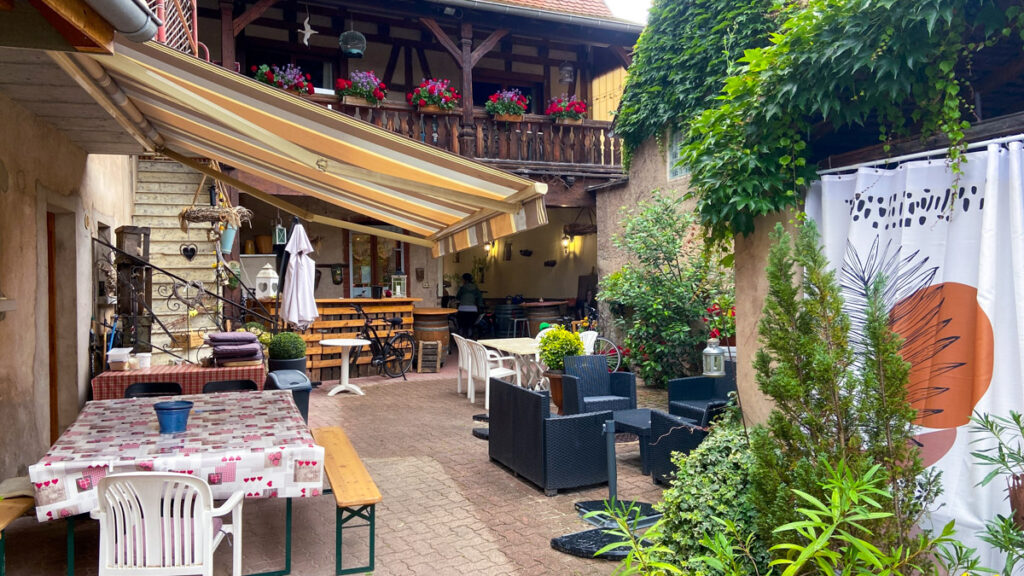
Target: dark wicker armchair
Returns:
[700, 398]
[670, 434]
[554, 453]
[587, 386]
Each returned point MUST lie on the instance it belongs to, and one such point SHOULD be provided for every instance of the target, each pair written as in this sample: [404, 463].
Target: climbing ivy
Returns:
[680, 60]
[832, 63]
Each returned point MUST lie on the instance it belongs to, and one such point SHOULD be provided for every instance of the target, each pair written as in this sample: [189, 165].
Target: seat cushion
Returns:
[599, 403]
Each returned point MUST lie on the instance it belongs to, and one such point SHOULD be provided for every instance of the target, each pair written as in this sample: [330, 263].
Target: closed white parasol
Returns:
[298, 302]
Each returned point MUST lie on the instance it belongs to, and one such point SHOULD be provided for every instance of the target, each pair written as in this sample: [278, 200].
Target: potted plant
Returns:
[721, 319]
[507, 105]
[286, 351]
[361, 89]
[554, 346]
[567, 110]
[434, 97]
[287, 77]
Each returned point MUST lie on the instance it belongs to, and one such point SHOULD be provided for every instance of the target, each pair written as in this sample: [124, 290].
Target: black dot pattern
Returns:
[913, 208]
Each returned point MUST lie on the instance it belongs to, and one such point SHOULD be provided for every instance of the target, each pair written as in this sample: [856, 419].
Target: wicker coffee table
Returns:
[636, 421]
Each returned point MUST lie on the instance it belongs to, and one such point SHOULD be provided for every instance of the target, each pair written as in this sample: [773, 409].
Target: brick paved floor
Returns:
[447, 508]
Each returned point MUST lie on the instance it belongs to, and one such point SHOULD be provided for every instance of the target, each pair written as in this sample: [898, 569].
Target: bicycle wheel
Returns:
[398, 354]
[610, 351]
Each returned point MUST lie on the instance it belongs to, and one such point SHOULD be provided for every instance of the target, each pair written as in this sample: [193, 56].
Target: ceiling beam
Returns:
[624, 56]
[77, 22]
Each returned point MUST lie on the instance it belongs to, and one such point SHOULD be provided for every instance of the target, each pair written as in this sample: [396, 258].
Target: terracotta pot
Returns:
[264, 244]
[508, 117]
[569, 121]
[555, 387]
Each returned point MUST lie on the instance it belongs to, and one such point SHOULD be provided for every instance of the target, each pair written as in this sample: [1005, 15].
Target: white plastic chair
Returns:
[163, 524]
[465, 361]
[487, 364]
[589, 337]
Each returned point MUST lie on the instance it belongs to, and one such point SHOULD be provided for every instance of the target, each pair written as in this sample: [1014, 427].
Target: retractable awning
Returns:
[187, 108]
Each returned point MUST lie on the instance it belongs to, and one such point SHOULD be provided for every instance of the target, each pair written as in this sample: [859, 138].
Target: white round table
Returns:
[346, 345]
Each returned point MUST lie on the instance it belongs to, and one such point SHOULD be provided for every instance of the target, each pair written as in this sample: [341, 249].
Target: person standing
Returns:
[470, 301]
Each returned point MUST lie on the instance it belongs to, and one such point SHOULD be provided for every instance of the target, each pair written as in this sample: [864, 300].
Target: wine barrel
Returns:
[431, 325]
[540, 312]
[504, 317]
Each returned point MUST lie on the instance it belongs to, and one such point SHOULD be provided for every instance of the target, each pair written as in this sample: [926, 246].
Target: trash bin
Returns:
[295, 381]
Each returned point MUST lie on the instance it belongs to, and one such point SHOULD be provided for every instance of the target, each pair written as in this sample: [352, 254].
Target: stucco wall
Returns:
[46, 172]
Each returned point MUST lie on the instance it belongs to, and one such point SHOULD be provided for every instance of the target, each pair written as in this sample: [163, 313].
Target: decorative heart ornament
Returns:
[189, 251]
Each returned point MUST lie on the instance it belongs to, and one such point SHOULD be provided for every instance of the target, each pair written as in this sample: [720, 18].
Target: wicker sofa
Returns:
[670, 434]
[553, 452]
[587, 386]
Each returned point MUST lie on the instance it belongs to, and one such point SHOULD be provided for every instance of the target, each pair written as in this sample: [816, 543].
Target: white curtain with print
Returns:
[952, 251]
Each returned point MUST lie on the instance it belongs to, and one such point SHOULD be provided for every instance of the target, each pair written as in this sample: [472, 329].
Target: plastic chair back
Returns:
[150, 389]
[588, 337]
[230, 386]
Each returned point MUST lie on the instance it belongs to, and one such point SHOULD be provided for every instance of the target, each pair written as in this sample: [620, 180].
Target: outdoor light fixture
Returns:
[566, 241]
[714, 359]
[352, 43]
[566, 73]
[487, 247]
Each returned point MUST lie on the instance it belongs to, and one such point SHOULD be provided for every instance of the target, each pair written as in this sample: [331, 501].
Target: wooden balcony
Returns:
[535, 145]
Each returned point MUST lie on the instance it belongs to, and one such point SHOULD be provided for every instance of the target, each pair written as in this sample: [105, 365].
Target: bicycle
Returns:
[602, 345]
[393, 355]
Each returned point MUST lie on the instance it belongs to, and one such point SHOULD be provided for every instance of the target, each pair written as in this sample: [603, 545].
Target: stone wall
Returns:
[44, 172]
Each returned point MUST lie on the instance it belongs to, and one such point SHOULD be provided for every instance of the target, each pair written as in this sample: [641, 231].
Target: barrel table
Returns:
[505, 316]
[431, 325]
[539, 312]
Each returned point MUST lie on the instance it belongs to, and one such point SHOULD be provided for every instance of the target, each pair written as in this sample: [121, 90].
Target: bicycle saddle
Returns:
[395, 321]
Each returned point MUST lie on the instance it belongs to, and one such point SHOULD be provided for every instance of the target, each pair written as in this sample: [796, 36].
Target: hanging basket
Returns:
[230, 215]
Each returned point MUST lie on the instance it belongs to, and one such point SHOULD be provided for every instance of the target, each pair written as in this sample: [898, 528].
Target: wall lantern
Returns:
[399, 285]
[487, 247]
[352, 44]
[566, 73]
[566, 242]
[714, 359]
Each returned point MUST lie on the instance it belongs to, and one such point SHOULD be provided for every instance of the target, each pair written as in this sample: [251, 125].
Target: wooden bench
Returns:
[353, 488]
[10, 510]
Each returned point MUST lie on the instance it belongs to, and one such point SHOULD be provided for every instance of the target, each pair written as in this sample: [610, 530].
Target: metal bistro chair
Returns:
[230, 386]
[163, 524]
[150, 389]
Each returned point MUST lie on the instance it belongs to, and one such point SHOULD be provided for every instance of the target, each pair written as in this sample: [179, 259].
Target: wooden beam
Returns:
[467, 73]
[624, 55]
[246, 18]
[389, 70]
[407, 82]
[424, 66]
[227, 35]
[487, 45]
[443, 38]
[289, 207]
[78, 23]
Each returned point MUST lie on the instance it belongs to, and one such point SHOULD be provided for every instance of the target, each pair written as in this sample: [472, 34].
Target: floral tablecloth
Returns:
[110, 385]
[251, 441]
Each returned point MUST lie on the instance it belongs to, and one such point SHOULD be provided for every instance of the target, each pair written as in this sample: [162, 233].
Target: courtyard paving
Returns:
[447, 508]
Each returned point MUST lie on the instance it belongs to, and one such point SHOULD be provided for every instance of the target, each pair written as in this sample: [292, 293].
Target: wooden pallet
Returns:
[429, 357]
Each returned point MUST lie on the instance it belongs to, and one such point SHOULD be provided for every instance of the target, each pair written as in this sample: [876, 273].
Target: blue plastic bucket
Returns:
[227, 239]
[172, 416]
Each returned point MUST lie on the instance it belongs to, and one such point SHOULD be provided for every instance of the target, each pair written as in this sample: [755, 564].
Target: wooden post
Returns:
[467, 132]
[227, 35]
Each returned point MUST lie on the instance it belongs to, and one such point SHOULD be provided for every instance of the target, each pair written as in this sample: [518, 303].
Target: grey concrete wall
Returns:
[46, 172]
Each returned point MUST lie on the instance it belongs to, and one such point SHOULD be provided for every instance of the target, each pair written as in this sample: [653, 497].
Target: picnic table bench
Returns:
[354, 491]
[10, 510]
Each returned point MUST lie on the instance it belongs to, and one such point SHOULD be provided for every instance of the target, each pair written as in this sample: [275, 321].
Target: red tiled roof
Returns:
[595, 8]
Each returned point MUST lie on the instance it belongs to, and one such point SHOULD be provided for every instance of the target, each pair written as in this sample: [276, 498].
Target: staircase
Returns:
[163, 188]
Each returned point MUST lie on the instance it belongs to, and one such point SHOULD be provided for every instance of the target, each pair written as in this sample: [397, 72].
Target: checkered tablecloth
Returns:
[111, 385]
[251, 441]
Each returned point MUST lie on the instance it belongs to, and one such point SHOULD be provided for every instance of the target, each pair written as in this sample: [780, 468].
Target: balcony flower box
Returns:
[508, 117]
[567, 110]
[361, 89]
[569, 121]
[507, 105]
[434, 97]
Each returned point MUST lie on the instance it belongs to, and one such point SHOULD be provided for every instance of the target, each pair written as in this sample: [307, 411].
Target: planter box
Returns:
[432, 109]
[508, 117]
[358, 101]
[569, 121]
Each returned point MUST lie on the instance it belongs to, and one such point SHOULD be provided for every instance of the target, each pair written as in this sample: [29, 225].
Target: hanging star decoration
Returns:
[306, 31]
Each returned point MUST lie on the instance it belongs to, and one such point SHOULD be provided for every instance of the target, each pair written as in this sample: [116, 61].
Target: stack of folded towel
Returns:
[235, 348]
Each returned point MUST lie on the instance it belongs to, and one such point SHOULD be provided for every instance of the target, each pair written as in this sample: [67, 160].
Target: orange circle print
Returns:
[948, 342]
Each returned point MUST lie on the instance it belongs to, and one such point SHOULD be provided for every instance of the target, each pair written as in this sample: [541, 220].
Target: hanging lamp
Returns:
[352, 43]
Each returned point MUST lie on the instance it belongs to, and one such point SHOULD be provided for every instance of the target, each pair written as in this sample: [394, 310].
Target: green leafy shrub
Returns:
[286, 346]
[556, 344]
[659, 298]
[832, 405]
[713, 481]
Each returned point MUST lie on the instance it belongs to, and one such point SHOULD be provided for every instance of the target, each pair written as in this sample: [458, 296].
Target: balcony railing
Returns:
[536, 142]
[180, 29]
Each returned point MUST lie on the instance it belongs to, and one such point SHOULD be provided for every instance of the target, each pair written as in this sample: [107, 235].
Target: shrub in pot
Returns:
[553, 347]
[287, 351]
